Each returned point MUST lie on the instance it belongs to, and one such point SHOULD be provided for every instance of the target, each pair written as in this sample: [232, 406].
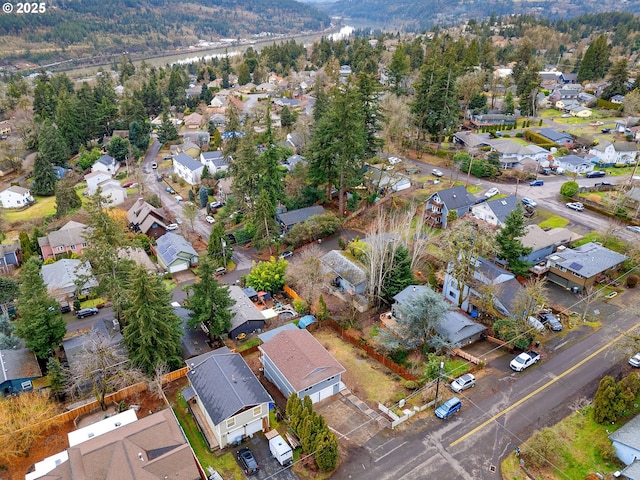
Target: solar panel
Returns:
[575, 266]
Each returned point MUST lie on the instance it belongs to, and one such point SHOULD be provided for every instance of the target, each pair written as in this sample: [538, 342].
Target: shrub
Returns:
[300, 306]
[399, 356]
[632, 281]
[410, 385]
[569, 189]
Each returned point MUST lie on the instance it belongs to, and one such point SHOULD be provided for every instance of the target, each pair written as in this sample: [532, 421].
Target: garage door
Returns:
[326, 392]
[254, 427]
[180, 267]
[235, 436]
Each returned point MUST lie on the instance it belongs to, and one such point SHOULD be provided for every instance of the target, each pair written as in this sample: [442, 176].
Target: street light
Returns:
[438, 383]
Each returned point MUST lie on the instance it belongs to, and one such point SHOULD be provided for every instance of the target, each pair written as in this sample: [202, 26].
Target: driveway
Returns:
[269, 466]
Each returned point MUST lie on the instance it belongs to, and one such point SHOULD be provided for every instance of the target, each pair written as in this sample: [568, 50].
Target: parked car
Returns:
[437, 173]
[247, 461]
[577, 206]
[412, 170]
[603, 184]
[178, 198]
[217, 204]
[210, 219]
[492, 192]
[551, 321]
[86, 312]
[128, 184]
[146, 170]
[606, 130]
[635, 360]
[463, 382]
[596, 174]
[286, 254]
[154, 165]
[524, 360]
[448, 408]
[170, 190]
[220, 271]
[529, 202]
[394, 160]
[167, 157]
[172, 226]
[536, 183]
[566, 115]
[633, 228]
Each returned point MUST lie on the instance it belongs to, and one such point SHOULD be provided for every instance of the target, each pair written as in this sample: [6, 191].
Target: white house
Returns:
[106, 163]
[187, 168]
[495, 212]
[16, 197]
[574, 164]
[94, 179]
[616, 152]
[214, 161]
[512, 153]
[113, 191]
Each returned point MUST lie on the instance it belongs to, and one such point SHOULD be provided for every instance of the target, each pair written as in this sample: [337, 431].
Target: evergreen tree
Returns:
[40, 323]
[44, 176]
[322, 102]
[57, 376]
[51, 144]
[508, 105]
[167, 131]
[608, 404]
[118, 148]
[244, 76]
[399, 275]
[152, 332]
[218, 248]
[595, 62]
[263, 219]
[618, 80]
[67, 198]
[326, 455]
[527, 88]
[25, 246]
[210, 302]
[232, 144]
[176, 88]
[287, 118]
[244, 172]
[510, 246]
[69, 123]
[369, 90]
[87, 113]
[44, 98]
[435, 108]
[398, 69]
[139, 135]
[203, 195]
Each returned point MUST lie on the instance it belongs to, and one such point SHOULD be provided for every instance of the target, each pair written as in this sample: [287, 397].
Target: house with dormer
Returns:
[66, 240]
[147, 219]
[574, 164]
[512, 153]
[226, 399]
[215, 161]
[106, 163]
[451, 201]
[495, 211]
[616, 153]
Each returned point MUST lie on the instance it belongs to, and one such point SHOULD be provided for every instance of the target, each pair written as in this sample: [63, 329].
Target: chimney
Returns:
[140, 456]
[233, 378]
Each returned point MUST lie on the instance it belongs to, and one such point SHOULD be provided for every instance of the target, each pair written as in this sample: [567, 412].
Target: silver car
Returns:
[463, 382]
[635, 360]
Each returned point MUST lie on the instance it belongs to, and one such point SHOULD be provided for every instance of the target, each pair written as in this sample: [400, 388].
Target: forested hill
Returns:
[418, 15]
[79, 27]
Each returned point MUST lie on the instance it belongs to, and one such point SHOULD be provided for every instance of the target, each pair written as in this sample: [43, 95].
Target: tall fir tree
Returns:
[69, 122]
[44, 176]
[167, 131]
[595, 62]
[51, 144]
[510, 247]
[67, 199]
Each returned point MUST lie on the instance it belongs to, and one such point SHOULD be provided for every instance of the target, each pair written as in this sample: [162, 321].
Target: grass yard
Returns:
[553, 221]
[372, 381]
[44, 207]
[609, 241]
[585, 449]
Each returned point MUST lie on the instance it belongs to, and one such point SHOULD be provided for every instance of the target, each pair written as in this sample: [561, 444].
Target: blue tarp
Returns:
[306, 321]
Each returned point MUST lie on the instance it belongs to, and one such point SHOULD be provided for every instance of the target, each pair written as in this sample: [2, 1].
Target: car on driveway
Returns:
[633, 228]
[635, 360]
[210, 219]
[536, 183]
[524, 360]
[286, 254]
[463, 382]
[492, 192]
[172, 226]
[437, 173]
[394, 160]
[127, 184]
[595, 174]
[85, 312]
[449, 408]
[247, 461]
[154, 165]
[529, 202]
[551, 321]
[170, 190]
[146, 170]
[217, 204]
[178, 198]
[577, 206]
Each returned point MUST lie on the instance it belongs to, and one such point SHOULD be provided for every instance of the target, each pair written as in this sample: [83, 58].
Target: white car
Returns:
[492, 192]
[394, 160]
[577, 206]
[437, 173]
[210, 219]
[635, 360]
[633, 228]
[178, 198]
[463, 382]
[172, 226]
[524, 360]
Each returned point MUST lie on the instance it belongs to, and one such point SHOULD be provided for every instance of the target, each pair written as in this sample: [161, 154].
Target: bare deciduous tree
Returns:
[303, 273]
[532, 295]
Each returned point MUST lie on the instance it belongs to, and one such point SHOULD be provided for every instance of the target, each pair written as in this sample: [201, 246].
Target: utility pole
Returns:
[438, 384]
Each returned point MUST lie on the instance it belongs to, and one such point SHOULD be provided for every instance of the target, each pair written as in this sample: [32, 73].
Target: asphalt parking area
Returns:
[269, 466]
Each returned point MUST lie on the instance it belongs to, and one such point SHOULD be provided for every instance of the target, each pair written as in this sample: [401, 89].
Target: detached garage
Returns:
[296, 362]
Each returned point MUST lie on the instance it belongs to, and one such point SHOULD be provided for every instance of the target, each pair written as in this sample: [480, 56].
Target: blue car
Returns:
[536, 183]
[448, 408]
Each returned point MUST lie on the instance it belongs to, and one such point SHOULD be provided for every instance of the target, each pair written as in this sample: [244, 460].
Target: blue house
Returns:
[626, 441]
[297, 363]
[10, 256]
[543, 243]
[17, 369]
[455, 199]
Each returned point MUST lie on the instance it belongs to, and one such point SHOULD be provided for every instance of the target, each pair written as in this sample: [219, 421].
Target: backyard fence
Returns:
[359, 343]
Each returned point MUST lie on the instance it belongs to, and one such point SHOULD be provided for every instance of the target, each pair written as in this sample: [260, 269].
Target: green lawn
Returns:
[609, 241]
[44, 207]
[554, 221]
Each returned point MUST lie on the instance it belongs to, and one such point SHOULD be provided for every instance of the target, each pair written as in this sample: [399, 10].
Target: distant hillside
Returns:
[418, 15]
[71, 28]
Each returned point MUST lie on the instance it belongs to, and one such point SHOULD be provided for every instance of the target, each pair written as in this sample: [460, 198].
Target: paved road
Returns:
[471, 445]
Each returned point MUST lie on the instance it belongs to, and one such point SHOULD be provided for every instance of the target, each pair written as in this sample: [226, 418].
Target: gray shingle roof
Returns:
[187, 161]
[298, 216]
[587, 260]
[345, 267]
[457, 328]
[574, 160]
[72, 233]
[60, 276]
[628, 434]
[537, 238]
[171, 247]
[244, 310]
[107, 160]
[502, 207]
[226, 385]
[410, 291]
[18, 364]
[455, 198]
[555, 136]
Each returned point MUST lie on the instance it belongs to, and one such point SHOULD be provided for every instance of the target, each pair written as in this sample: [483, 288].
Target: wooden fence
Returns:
[291, 293]
[467, 356]
[357, 342]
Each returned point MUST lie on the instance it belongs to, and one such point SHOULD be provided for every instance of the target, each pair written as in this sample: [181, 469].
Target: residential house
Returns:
[215, 161]
[175, 253]
[113, 192]
[512, 153]
[624, 124]
[626, 442]
[145, 218]
[193, 92]
[495, 212]
[195, 341]
[444, 202]
[579, 268]
[68, 279]
[562, 139]
[295, 141]
[586, 99]
[580, 111]
[94, 179]
[123, 447]
[75, 347]
[295, 362]
[200, 138]
[561, 97]
[488, 277]
[471, 140]
[226, 399]
[187, 168]
[345, 272]
[550, 79]
[293, 217]
[10, 256]
[67, 240]
[218, 120]
[456, 328]
[18, 368]
[542, 101]
[106, 163]
[139, 256]
[266, 87]
[569, 78]
[246, 317]
[492, 119]
[616, 153]
[16, 197]
[574, 164]
[544, 242]
[6, 167]
[189, 148]
[291, 162]
[387, 181]
[193, 121]
[219, 101]
[617, 99]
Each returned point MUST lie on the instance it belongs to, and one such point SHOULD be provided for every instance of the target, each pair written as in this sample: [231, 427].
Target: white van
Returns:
[535, 323]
